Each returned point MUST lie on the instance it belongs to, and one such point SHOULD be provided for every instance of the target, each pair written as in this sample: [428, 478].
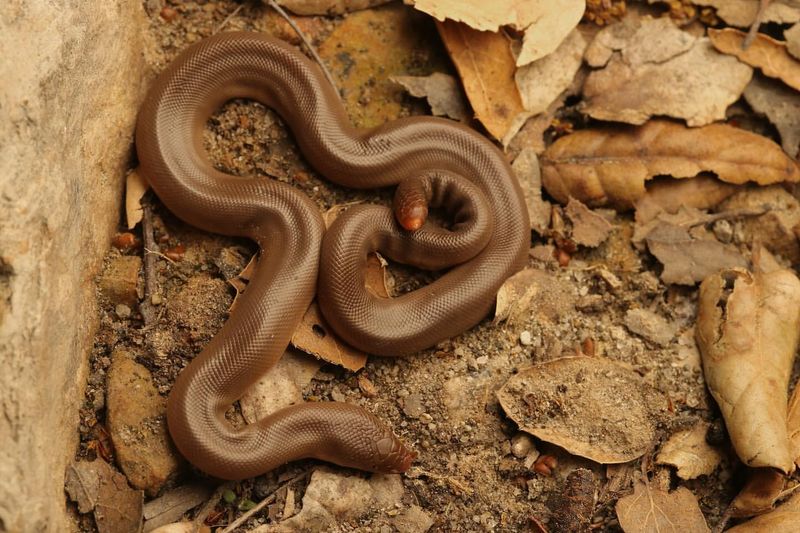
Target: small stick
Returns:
[753, 31]
[227, 19]
[150, 275]
[305, 40]
[263, 503]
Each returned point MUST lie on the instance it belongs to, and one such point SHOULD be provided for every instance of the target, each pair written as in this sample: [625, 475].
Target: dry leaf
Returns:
[764, 52]
[95, 486]
[281, 386]
[240, 282]
[759, 494]
[688, 451]
[532, 288]
[661, 70]
[545, 23]
[664, 195]
[784, 519]
[793, 424]
[541, 82]
[526, 169]
[609, 166]
[781, 105]
[588, 228]
[742, 13]
[484, 62]
[328, 7]
[442, 92]
[592, 407]
[171, 506]
[748, 328]
[315, 337]
[181, 527]
[792, 36]
[649, 509]
[650, 326]
[135, 188]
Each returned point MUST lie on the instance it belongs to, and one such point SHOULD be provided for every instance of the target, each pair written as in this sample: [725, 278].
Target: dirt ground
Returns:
[441, 401]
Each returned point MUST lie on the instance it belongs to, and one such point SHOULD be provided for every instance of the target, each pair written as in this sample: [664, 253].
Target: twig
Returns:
[227, 19]
[263, 503]
[305, 40]
[150, 275]
[753, 31]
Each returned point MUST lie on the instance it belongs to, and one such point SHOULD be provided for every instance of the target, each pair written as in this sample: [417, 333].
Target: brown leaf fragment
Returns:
[764, 53]
[240, 282]
[590, 406]
[781, 105]
[792, 36]
[588, 228]
[688, 451]
[742, 13]
[526, 169]
[784, 519]
[690, 256]
[532, 288]
[314, 336]
[665, 195]
[486, 66]
[172, 505]
[653, 68]
[95, 486]
[135, 188]
[793, 424]
[650, 509]
[759, 494]
[442, 92]
[748, 328]
[609, 166]
[573, 506]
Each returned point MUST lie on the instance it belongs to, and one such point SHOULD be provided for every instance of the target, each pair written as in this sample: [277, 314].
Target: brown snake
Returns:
[438, 161]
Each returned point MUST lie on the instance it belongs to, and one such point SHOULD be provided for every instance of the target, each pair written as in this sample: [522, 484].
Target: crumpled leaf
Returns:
[545, 23]
[660, 70]
[748, 328]
[764, 52]
[742, 13]
[135, 188]
[781, 105]
[442, 92]
[688, 451]
[588, 228]
[609, 166]
[484, 62]
[526, 169]
[666, 195]
[784, 519]
[590, 406]
[328, 7]
[650, 509]
[542, 81]
[95, 486]
[763, 488]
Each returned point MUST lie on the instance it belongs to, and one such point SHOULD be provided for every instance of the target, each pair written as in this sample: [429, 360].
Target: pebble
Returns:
[119, 279]
[156, 299]
[522, 445]
[122, 311]
[525, 338]
[412, 406]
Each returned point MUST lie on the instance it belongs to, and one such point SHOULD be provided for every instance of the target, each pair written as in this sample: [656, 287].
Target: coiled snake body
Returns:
[448, 165]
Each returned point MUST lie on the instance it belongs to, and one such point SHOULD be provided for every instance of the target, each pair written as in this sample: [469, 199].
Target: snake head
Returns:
[393, 456]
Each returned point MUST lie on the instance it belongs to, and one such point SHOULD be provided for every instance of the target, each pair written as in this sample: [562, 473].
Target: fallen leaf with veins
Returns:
[742, 13]
[651, 509]
[760, 492]
[96, 487]
[688, 451]
[545, 23]
[442, 92]
[590, 406]
[783, 519]
[748, 328]
[484, 62]
[653, 68]
[665, 195]
[135, 188]
[588, 228]
[764, 53]
[781, 105]
[609, 166]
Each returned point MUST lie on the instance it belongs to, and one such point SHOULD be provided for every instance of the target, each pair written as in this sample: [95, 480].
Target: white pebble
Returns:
[525, 338]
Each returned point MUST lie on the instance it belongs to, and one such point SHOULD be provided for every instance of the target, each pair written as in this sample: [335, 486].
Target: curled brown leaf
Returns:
[764, 52]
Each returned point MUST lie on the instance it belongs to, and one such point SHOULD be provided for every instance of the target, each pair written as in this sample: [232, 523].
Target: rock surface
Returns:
[69, 97]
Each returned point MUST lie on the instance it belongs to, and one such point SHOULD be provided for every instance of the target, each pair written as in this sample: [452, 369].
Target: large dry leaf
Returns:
[748, 328]
[764, 52]
[541, 82]
[781, 105]
[328, 7]
[650, 509]
[484, 62]
[688, 451]
[660, 70]
[742, 13]
[784, 519]
[592, 407]
[96, 487]
[610, 166]
[442, 92]
[545, 23]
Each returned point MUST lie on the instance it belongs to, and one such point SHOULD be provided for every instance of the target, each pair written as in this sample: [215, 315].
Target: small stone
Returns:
[156, 299]
[412, 406]
[482, 360]
[337, 395]
[650, 326]
[413, 520]
[522, 445]
[723, 230]
[122, 311]
[119, 279]
[525, 338]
